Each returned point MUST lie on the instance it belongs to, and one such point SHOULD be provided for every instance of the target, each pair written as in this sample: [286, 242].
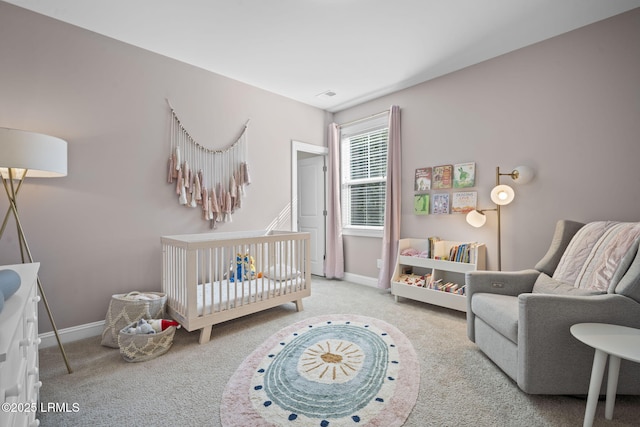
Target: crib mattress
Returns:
[228, 295]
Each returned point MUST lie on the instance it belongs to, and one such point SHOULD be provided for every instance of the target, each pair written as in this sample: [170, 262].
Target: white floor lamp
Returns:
[28, 154]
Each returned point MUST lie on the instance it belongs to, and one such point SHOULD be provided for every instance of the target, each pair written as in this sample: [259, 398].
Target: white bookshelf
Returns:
[445, 270]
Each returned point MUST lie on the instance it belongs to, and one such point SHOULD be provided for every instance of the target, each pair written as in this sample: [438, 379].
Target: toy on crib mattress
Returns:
[245, 268]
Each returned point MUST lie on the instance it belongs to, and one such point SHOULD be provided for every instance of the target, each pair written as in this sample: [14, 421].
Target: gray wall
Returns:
[97, 231]
[569, 107]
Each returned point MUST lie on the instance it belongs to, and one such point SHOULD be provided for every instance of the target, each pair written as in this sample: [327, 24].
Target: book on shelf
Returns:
[449, 287]
[441, 177]
[464, 201]
[413, 280]
[459, 253]
[440, 250]
[440, 203]
[423, 180]
[432, 243]
[464, 175]
[463, 252]
[421, 204]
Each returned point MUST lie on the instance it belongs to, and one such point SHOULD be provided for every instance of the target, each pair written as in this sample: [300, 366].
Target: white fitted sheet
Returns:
[228, 295]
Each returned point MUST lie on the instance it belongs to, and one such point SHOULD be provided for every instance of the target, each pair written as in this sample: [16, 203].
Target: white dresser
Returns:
[19, 379]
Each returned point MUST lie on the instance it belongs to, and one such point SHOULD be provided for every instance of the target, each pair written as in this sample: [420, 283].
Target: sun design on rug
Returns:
[331, 361]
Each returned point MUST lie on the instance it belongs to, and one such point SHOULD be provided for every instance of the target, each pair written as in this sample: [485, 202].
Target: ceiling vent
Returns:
[326, 94]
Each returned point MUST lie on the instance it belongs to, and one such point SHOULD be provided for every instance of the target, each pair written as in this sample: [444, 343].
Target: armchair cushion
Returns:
[499, 311]
[547, 285]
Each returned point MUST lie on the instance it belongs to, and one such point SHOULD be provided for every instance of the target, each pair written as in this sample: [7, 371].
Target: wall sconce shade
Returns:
[502, 195]
[43, 156]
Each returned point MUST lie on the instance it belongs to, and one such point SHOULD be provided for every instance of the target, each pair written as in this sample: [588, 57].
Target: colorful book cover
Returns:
[464, 175]
[421, 204]
[464, 201]
[423, 180]
[441, 177]
[432, 243]
[440, 203]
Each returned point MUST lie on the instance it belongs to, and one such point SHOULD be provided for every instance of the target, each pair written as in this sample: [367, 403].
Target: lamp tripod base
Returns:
[12, 193]
[55, 330]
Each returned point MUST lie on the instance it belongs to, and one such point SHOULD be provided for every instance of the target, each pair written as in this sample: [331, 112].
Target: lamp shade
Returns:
[43, 156]
[502, 194]
[523, 174]
[476, 218]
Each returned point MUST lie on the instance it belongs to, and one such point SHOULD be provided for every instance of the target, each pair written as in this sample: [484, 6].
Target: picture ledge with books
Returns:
[431, 185]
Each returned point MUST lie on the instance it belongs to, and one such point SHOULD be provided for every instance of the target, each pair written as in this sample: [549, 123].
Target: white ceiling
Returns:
[359, 49]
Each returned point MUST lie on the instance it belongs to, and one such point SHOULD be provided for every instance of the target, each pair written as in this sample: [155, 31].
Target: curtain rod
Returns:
[353, 122]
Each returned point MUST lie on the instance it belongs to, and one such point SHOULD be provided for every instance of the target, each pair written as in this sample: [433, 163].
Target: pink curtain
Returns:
[334, 262]
[392, 210]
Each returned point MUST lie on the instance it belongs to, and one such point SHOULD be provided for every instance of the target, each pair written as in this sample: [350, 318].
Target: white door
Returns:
[311, 207]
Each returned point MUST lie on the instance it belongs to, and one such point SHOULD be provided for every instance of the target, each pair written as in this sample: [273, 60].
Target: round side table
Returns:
[613, 341]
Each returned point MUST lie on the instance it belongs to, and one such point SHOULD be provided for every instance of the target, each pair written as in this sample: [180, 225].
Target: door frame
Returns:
[301, 147]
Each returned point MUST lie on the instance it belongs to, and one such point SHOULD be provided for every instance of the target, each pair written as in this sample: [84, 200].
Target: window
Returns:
[364, 175]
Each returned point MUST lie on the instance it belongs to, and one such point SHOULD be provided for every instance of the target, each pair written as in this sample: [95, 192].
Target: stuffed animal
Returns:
[245, 268]
[160, 325]
[142, 327]
[248, 265]
[239, 269]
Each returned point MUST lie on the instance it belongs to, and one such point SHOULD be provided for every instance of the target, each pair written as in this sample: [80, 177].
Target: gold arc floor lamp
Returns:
[29, 154]
[501, 195]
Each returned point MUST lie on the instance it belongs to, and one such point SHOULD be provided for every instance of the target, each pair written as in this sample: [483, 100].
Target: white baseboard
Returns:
[71, 334]
[361, 280]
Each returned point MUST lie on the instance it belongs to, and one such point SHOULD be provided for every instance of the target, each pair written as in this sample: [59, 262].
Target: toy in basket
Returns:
[146, 339]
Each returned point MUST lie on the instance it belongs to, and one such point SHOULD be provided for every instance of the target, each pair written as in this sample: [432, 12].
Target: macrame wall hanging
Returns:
[213, 180]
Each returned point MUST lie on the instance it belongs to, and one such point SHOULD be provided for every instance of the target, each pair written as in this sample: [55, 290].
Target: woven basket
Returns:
[127, 308]
[143, 347]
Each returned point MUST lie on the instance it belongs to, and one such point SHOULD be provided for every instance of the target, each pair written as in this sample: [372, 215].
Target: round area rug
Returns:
[327, 371]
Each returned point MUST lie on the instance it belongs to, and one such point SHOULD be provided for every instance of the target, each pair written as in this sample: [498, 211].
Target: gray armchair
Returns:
[521, 320]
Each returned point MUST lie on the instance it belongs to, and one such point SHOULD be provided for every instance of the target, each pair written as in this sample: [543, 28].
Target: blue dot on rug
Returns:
[335, 370]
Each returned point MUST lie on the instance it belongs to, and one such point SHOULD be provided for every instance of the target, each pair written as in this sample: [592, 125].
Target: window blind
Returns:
[364, 178]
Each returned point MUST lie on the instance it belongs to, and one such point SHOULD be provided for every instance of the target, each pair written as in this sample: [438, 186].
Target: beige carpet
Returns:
[459, 385]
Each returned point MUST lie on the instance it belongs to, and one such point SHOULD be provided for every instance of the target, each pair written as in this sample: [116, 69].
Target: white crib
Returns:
[204, 285]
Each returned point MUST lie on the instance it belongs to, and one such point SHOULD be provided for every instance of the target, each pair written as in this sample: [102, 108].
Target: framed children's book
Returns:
[440, 203]
[421, 204]
[423, 180]
[464, 175]
[464, 201]
[441, 177]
